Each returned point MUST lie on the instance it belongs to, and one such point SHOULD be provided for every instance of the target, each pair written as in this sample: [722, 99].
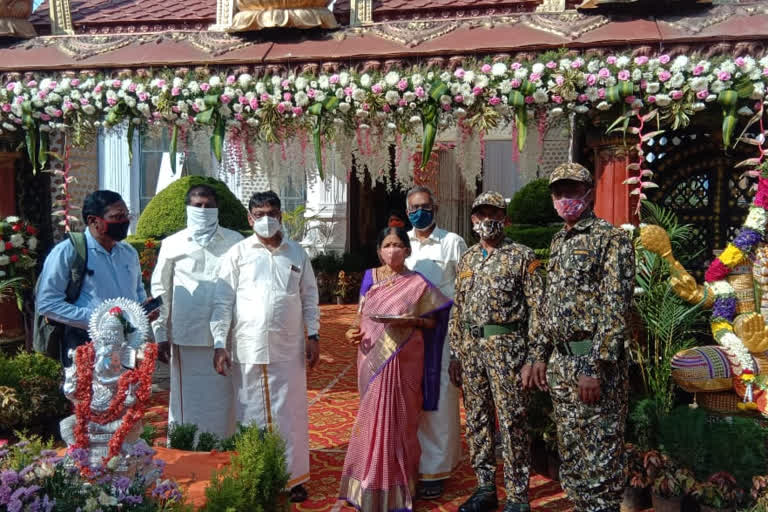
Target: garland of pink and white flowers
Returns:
[741, 249]
[415, 104]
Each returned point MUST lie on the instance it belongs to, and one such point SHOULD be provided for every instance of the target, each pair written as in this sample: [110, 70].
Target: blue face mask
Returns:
[421, 219]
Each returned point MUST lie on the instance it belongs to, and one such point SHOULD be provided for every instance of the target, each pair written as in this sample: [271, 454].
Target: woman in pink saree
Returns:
[400, 330]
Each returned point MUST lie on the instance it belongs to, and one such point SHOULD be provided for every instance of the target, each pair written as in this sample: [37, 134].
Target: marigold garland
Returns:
[141, 375]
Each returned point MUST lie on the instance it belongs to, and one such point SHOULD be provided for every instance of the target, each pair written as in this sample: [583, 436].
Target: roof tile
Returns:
[87, 12]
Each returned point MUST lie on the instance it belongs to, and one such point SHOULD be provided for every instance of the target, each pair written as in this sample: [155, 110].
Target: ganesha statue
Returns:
[729, 376]
[110, 383]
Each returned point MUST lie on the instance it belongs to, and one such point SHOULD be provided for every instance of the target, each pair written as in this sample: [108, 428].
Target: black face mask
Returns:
[117, 231]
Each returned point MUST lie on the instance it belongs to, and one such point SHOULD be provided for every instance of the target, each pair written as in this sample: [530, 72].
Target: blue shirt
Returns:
[108, 275]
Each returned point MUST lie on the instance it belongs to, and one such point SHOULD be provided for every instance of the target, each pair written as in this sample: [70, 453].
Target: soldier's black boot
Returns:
[482, 500]
[516, 507]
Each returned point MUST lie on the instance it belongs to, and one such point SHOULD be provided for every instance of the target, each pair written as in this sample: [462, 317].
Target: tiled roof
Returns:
[107, 12]
[342, 6]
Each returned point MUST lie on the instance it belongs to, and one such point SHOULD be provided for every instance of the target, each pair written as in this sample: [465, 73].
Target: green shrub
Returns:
[532, 204]
[149, 433]
[30, 390]
[206, 442]
[708, 444]
[25, 451]
[181, 436]
[166, 212]
[329, 263]
[535, 237]
[256, 476]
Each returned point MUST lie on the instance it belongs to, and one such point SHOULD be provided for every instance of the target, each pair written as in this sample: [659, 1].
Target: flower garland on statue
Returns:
[741, 249]
[140, 377]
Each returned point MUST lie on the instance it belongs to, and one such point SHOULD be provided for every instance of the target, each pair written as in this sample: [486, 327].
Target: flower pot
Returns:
[635, 499]
[666, 504]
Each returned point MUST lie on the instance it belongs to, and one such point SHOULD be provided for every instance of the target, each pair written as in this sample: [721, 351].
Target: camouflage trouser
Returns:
[491, 377]
[590, 438]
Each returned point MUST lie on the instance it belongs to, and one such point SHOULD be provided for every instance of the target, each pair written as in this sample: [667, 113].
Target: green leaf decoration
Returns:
[172, 150]
[42, 153]
[429, 121]
[205, 116]
[129, 138]
[521, 121]
[31, 142]
[217, 139]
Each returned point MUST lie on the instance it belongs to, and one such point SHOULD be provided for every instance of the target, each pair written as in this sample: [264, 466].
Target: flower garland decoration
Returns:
[419, 102]
[741, 249]
[140, 378]
[18, 247]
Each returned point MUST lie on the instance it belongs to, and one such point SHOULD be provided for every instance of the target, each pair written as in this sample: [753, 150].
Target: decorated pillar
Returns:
[612, 200]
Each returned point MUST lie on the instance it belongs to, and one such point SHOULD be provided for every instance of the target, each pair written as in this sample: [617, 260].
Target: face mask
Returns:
[488, 229]
[117, 231]
[421, 219]
[203, 222]
[266, 226]
[570, 210]
[393, 256]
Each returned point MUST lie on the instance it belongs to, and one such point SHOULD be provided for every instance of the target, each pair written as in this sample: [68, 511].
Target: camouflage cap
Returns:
[490, 199]
[571, 171]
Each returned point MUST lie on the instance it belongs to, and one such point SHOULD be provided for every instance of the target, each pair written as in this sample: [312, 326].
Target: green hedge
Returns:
[166, 213]
[532, 204]
[535, 237]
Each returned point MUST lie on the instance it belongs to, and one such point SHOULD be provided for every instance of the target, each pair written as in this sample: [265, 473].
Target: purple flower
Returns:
[123, 483]
[9, 477]
[724, 307]
[133, 500]
[5, 494]
[747, 239]
[14, 506]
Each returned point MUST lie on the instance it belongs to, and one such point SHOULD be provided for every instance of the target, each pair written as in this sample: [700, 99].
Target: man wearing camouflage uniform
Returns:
[498, 289]
[590, 279]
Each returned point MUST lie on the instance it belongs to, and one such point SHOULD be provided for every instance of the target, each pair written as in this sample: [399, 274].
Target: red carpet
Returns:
[333, 405]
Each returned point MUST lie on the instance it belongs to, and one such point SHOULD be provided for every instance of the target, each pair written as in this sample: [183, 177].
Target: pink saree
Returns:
[382, 461]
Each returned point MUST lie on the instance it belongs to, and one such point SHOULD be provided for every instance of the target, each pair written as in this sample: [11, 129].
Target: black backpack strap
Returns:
[78, 268]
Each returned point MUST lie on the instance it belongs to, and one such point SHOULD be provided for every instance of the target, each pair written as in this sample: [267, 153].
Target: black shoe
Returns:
[482, 500]
[431, 490]
[517, 507]
[298, 494]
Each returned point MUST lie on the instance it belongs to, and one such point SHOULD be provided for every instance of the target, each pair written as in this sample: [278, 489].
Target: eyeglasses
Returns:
[416, 207]
[258, 215]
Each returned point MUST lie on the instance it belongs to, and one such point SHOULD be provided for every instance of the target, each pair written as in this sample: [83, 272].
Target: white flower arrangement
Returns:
[737, 350]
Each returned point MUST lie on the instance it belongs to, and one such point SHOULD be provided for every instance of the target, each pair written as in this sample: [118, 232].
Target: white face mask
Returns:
[203, 222]
[266, 226]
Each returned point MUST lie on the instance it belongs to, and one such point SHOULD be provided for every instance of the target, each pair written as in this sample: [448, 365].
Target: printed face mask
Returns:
[421, 219]
[570, 210]
[266, 226]
[393, 256]
[488, 229]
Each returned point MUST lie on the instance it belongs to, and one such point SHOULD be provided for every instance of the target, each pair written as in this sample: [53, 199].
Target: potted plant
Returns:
[670, 483]
[636, 495]
[719, 492]
[343, 285]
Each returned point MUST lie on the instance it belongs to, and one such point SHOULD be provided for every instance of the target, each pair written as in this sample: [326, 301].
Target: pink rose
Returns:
[175, 109]
[298, 111]
[97, 89]
[551, 64]
[285, 84]
[254, 103]
[10, 86]
[52, 85]
[611, 60]
[230, 79]
[665, 75]
[161, 83]
[75, 82]
[601, 93]
[195, 107]
[334, 79]
[112, 101]
[529, 99]
[583, 98]
[642, 59]
[58, 113]
[702, 95]
[765, 72]
[287, 96]
[576, 64]
[557, 99]
[420, 92]
[242, 100]
[116, 84]
[643, 84]
[239, 116]
[515, 83]
[45, 117]
[312, 93]
[459, 73]
[402, 102]
[591, 79]
[365, 107]
[143, 96]
[264, 97]
[281, 108]
[651, 99]
[42, 94]
[664, 59]
[698, 70]
[32, 83]
[376, 89]
[535, 77]
[347, 91]
[477, 91]
[630, 99]
[724, 76]
[205, 86]
[516, 65]
[6, 107]
[486, 68]
[740, 61]
[604, 73]
[83, 101]
[225, 99]
[624, 75]
[458, 98]
[494, 101]
[386, 108]
[18, 100]
[446, 107]
[175, 91]
[559, 80]
[402, 84]
[132, 87]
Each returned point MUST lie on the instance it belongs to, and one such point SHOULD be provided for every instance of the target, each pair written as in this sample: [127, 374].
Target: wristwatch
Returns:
[313, 337]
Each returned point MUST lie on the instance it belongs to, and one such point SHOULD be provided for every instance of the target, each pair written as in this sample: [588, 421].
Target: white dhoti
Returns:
[275, 395]
[440, 430]
[199, 395]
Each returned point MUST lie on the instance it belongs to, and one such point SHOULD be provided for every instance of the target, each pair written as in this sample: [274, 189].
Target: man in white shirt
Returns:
[435, 253]
[265, 300]
[185, 277]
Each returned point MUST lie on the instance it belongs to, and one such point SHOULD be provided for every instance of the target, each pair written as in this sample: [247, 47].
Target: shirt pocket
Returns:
[287, 276]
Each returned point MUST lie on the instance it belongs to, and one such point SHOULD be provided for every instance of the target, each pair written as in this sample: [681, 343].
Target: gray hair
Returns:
[420, 189]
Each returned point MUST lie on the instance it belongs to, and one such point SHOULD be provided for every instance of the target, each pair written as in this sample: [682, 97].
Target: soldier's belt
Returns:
[575, 348]
[488, 330]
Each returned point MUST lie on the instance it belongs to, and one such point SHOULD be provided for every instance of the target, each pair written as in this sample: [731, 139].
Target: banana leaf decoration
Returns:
[174, 144]
[729, 99]
[209, 116]
[430, 115]
[516, 100]
[35, 140]
[329, 104]
[617, 92]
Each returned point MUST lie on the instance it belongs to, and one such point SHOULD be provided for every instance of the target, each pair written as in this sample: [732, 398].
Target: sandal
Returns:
[298, 494]
[431, 490]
